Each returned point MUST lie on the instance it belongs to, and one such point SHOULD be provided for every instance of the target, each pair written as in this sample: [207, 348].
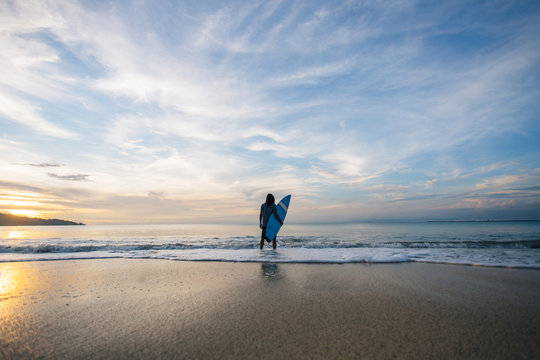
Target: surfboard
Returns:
[273, 226]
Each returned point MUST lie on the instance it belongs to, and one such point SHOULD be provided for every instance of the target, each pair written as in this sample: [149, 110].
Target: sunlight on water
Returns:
[16, 234]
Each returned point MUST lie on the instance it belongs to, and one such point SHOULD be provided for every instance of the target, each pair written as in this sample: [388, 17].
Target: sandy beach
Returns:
[127, 308]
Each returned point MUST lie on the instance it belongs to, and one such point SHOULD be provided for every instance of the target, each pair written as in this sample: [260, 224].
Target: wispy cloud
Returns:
[497, 182]
[44, 164]
[24, 112]
[72, 177]
[31, 70]
[311, 75]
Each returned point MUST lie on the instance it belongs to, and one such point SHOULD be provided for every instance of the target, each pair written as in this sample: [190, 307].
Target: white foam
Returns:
[296, 255]
[494, 257]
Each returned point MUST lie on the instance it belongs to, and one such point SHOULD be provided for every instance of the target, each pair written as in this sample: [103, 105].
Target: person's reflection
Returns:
[270, 271]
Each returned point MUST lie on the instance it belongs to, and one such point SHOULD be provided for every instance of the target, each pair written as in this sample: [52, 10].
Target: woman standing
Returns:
[267, 209]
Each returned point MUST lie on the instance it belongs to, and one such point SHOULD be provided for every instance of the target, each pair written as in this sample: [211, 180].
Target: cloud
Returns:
[72, 177]
[501, 181]
[280, 150]
[431, 183]
[30, 67]
[19, 187]
[530, 188]
[311, 75]
[497, 166]
[387, 188]
[44, 164]
[43, 200]
[24, 112]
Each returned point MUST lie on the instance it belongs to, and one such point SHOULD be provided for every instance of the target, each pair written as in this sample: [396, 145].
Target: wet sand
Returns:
[126, 308]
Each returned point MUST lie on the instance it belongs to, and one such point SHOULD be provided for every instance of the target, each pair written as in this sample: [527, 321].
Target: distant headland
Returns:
[14, 220]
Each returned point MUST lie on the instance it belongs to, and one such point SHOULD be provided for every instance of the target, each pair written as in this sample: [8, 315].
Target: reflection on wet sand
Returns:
[17, 281]
[13, 280]
[7, 282]
[270, 271]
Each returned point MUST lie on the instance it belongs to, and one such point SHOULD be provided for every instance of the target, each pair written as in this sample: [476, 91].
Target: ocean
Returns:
[500, 244]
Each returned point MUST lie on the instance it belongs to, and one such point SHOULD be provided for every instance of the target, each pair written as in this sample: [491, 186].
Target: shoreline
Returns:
[148, 308]
[292, 262]
[291, 256]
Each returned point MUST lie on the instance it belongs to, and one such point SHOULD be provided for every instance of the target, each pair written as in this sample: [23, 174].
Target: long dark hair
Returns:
[270, 199]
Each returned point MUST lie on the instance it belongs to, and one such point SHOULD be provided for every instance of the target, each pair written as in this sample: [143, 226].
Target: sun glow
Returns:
[27, 213]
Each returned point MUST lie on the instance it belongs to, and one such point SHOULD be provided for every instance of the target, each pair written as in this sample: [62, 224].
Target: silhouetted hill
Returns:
[14, 220]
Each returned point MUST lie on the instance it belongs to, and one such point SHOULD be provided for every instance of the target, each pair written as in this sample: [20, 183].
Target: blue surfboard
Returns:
[273, 226]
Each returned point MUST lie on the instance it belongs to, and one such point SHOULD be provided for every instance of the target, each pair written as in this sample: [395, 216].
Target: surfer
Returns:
[267, 209]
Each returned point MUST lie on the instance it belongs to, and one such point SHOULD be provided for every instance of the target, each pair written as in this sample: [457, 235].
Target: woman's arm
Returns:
[260, 218]
[277, 216]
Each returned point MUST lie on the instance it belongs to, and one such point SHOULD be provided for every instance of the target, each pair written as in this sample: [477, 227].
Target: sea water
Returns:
[508, 244]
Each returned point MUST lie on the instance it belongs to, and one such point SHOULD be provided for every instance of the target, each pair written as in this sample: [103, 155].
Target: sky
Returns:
[192, 111]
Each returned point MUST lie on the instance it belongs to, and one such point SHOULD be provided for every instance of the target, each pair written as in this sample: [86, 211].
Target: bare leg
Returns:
[262, 239]
[274, 243]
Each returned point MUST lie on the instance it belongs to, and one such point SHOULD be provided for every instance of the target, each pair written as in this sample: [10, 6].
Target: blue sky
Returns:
[190, 111]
